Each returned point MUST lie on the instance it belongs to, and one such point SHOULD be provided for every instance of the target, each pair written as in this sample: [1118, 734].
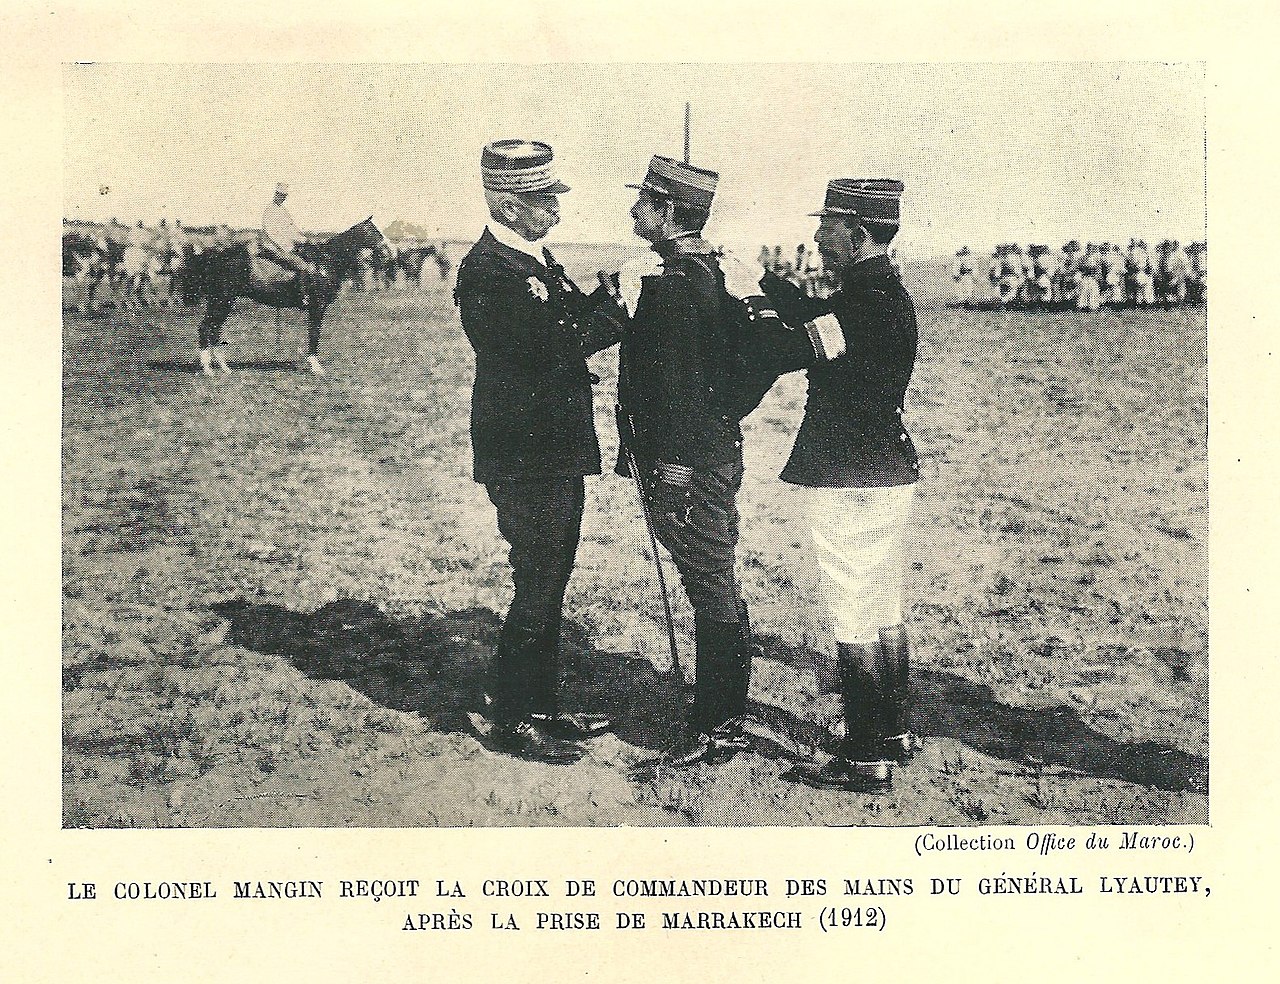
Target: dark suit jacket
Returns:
[672, 364]
[531, 411]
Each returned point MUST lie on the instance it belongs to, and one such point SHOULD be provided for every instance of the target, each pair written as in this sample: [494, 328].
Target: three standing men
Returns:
[681, 401]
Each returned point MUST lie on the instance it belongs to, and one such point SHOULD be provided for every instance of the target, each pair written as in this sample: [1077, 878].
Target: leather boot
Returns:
[723, 674]
[719, 694]
[509, 685]
[861, 766]
[863, 695]
[899, 742]
[543, 668]
[736, 729]
[845, 776]
[526, 739]
[516, 685]
[748, 649]
[549, 716]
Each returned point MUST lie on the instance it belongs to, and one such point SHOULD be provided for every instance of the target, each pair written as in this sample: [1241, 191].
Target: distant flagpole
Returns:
[686, 133]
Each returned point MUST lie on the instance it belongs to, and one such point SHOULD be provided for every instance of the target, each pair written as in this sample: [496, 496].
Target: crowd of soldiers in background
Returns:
[804, 268]
[113, 265]
[1086, 278]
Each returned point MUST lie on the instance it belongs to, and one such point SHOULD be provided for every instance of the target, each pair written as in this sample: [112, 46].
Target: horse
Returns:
[82, 265]
[412, 259]
[223, 274]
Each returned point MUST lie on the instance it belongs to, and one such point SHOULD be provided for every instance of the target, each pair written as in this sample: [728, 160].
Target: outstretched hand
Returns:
[741, 278]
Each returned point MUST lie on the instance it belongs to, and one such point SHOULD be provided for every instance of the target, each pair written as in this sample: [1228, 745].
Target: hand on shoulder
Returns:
[631, 276]
[741, 278]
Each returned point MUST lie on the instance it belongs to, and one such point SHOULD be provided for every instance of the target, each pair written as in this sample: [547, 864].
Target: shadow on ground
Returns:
[193, 367]
[951, 706]
[954, 707]
[434, 665]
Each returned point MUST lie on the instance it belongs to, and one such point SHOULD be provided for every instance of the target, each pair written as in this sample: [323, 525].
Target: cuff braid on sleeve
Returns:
[826, 337]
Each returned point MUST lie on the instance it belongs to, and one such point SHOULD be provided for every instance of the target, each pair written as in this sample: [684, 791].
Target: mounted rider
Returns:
[281, 238]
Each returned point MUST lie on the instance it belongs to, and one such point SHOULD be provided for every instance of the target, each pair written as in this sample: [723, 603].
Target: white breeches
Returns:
[859, 537]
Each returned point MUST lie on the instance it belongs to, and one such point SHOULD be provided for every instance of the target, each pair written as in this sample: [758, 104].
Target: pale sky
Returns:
[989, 152]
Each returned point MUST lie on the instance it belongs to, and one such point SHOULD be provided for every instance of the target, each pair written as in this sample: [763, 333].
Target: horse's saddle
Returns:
[266, 273]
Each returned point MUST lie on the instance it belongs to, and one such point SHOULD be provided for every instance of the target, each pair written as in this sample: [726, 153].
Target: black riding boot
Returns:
[517, 687]
[863, 693]
[736, 679]
[861, 766]
[724, 669]
[899, 743]
[752, 649]
[719, 694]
[549, 714]
[509, 684]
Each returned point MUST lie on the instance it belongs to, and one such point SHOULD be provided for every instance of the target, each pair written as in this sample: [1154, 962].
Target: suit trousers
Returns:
[541, 518]
[703, 546]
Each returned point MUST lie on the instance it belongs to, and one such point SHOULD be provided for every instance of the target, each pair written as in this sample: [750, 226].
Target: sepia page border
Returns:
[49, 937]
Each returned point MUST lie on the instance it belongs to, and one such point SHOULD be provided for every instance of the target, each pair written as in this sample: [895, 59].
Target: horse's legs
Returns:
[215, 316]
[207, 331]
[315, 316]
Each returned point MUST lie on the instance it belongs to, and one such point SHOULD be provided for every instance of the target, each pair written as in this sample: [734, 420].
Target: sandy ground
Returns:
[280, 590]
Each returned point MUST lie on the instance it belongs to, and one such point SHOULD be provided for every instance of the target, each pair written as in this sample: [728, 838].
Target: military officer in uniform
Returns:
[532, 434]
[679, 416]
[684, 385]
[857, 468]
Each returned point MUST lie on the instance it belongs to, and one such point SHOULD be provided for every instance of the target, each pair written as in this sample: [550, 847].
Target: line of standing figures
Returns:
[1088, 278]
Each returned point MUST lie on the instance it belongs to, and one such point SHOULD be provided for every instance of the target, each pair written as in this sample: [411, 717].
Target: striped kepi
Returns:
[520, 167]
[870, 199]
[680, 182]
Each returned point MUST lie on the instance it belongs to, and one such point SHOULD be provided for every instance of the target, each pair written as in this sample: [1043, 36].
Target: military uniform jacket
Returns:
[852, 435]
[531, 329]
[673, 361]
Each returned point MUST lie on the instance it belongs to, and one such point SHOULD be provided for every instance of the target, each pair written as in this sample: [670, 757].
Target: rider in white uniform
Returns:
[280, 234]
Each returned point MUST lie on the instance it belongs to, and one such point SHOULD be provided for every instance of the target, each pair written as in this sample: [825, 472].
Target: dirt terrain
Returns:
[280, 590]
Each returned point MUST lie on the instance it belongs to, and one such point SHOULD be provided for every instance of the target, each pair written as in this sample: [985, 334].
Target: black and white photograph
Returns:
[787, 444]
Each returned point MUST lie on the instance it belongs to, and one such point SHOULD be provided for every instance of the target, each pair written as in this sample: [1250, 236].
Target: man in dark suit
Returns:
[533, 435]
[679, 417]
